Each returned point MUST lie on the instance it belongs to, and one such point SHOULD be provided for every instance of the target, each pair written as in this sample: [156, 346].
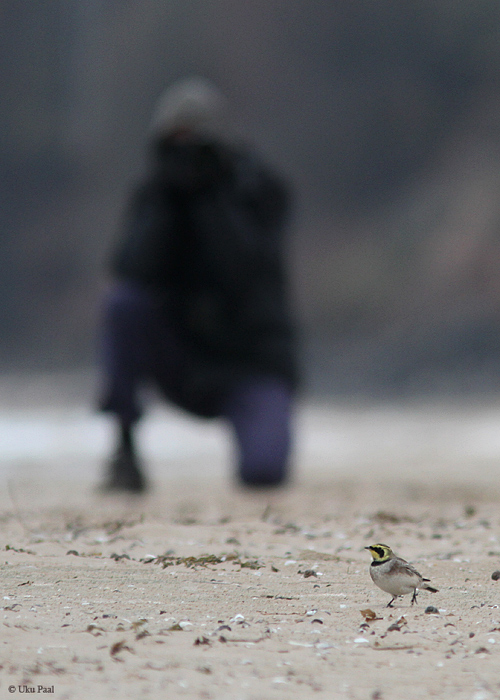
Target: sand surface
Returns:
[203, 590]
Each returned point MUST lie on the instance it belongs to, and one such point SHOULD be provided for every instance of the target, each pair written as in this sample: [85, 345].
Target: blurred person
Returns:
[198, 304]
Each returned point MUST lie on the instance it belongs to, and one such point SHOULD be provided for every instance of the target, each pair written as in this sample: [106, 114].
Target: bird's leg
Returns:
[390, 603]
[414, 596]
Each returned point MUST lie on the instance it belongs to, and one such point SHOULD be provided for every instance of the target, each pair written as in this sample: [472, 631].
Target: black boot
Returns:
[124, 474]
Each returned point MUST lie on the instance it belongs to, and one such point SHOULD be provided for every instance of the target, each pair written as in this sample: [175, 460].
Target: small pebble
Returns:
[431, 610]
[495, 575]
[309, 572]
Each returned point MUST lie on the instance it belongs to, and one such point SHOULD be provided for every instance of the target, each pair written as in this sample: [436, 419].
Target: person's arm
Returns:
[144, 252]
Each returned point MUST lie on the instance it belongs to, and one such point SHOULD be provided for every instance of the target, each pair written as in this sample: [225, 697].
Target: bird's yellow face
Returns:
[380, 552]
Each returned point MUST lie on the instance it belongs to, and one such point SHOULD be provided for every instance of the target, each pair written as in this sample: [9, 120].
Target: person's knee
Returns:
[260, 412]
[268, 471]
[265, 458]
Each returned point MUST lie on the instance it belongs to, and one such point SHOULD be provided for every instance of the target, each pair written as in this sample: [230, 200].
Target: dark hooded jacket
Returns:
[205, 234]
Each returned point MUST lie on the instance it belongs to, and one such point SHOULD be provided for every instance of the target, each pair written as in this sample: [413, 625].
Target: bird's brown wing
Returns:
[404, 567]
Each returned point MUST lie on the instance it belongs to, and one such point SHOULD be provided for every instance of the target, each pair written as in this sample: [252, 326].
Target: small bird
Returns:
[394, 575]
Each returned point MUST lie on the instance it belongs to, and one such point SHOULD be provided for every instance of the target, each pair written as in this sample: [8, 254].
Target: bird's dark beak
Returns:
[367, 548]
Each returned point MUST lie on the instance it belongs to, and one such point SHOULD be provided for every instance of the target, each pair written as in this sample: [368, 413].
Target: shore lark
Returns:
[394, 575]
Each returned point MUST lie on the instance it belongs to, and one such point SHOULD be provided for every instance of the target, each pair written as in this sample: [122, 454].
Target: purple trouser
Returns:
[138, 346]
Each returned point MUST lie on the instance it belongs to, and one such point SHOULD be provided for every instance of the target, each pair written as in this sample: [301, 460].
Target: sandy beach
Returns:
[203, 590]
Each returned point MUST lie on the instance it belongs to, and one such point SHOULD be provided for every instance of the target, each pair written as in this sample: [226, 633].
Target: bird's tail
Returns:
[429, 588]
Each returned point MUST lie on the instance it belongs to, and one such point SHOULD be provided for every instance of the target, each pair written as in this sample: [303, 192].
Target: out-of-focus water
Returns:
[48, 428]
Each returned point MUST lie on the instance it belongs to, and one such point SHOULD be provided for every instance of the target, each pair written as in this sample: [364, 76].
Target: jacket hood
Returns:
[194, 104]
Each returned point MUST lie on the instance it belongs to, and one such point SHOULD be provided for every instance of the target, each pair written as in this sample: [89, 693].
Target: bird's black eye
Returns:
[380, 551]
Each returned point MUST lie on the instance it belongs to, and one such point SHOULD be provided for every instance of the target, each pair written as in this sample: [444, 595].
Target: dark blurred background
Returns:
[385, 116]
